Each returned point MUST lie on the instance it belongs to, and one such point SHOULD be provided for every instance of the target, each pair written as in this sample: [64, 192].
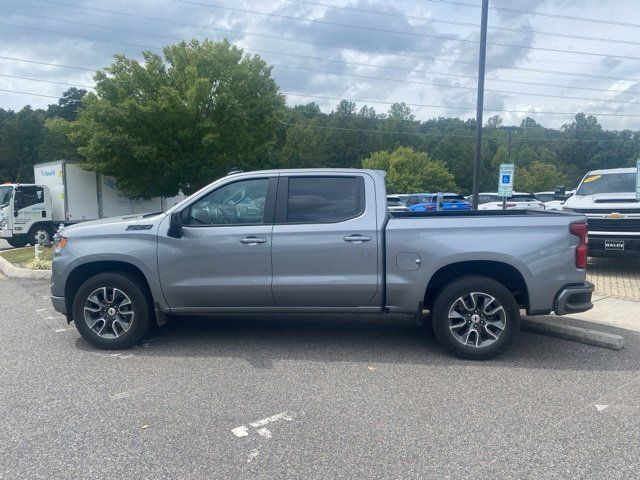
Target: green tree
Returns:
[410, 171]
[178, 121]
[501, 156]
[538, 177]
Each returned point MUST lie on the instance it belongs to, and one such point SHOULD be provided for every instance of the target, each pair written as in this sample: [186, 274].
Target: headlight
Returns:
[61, 242]
[4, 225]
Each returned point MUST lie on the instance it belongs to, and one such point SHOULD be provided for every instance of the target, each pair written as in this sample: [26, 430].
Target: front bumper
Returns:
[596, 245]
[59, 304]
[574, 298]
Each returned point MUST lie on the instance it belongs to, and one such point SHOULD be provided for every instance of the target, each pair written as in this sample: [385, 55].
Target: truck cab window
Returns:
[324, 199]
[30, 196]
[236, 203]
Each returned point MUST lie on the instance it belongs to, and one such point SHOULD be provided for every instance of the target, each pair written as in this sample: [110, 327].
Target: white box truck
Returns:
[64, 193]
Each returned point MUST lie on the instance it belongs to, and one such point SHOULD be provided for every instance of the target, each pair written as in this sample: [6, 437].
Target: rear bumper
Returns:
[574, 299]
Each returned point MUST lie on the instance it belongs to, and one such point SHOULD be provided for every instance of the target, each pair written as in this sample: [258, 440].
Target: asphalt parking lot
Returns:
[299, 397]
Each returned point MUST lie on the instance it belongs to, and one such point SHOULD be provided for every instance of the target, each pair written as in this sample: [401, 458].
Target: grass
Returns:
[25, 257]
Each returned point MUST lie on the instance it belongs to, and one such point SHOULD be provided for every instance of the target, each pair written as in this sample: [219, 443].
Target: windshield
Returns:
[608, 183]
[5, 195]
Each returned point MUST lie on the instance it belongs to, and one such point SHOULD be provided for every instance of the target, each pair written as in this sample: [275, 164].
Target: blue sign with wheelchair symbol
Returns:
[506, 179]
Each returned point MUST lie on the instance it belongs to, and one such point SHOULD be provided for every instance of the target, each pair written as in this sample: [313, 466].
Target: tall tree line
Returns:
[179, 120]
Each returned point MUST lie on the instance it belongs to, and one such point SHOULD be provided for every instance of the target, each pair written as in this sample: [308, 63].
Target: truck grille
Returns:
[605, 225]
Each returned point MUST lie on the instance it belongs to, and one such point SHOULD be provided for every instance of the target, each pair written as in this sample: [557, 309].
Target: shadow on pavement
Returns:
[263, 340]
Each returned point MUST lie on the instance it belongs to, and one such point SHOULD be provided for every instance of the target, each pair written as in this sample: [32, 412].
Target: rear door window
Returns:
[324, 199]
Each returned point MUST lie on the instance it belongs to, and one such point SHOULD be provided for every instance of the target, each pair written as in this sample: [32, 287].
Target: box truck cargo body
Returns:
[64, 193]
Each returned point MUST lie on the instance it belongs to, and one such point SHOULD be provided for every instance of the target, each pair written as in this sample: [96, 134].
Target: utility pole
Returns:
[480, 103]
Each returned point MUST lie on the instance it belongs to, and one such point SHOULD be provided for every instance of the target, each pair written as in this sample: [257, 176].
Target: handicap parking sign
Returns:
[505, 180]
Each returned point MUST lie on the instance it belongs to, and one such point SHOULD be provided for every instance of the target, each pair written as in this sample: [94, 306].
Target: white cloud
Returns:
[80, 41]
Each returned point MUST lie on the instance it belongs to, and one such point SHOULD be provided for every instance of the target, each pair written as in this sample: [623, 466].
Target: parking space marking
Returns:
[271, 419]
[243, 431]
[265, 432]
[240, 431]
[253, 454]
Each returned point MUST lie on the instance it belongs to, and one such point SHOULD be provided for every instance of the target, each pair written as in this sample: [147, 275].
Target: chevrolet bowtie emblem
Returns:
[615, 216]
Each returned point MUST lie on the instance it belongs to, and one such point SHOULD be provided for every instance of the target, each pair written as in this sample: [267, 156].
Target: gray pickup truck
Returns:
[321, 240]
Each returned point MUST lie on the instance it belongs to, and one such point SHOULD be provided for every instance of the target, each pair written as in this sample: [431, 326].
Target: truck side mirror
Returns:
[175, 225]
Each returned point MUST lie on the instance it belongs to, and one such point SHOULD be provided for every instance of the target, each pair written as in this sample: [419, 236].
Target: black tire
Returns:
[39, 234]
[453, 332]
[140, 302]
[18, 242]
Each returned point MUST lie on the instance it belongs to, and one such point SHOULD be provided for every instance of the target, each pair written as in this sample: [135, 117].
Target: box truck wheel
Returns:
[18, 242]
[39, 234]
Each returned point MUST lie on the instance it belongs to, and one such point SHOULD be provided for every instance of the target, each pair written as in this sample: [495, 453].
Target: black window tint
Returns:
[236, 203]
[31, 196]
[324, 199]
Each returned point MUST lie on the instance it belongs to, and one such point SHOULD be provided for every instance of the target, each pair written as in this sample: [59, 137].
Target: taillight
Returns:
[581, 231]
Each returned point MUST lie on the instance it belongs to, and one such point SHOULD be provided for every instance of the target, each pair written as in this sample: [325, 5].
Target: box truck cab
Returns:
[65, 193]
[25, 214]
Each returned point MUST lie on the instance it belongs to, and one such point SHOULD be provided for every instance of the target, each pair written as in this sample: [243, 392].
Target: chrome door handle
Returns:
[253, 240]
[357, 238]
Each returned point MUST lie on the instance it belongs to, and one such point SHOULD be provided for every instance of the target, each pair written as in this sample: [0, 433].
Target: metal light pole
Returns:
[480, 104]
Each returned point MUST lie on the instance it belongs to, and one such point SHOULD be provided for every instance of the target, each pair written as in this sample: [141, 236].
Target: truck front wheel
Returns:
[39, 234]
[475, 317]
[112, 311]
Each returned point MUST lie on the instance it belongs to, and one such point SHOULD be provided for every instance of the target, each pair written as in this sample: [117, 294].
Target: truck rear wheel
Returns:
[18, 242]
[475, 317]
[39, 234]
[112, 311]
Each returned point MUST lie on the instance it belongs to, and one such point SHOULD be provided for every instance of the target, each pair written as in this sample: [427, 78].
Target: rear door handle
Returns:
[357, 238]
[253, 240]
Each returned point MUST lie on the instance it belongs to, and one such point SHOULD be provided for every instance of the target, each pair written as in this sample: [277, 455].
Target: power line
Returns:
[527, 112]
[444, 135]
[29, 93]
[45, 81]
[415, 82]
[456, 22]
[364, 118]
[46, 63]
[370, 65]
[294, 40]
[114, 12]
[542, 14]
[399, 32]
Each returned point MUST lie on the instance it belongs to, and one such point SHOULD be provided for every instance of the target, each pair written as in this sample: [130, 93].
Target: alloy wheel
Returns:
[108, 312]
[477, 319]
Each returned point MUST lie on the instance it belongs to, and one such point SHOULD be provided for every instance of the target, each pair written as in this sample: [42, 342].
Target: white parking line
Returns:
[243, 431]
[271, 419]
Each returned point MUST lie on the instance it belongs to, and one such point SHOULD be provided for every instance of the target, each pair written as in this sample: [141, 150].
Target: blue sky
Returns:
[417, 50]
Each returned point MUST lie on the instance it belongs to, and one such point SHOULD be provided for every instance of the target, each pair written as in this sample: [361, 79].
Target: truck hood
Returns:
[146, 223]
[604, 201]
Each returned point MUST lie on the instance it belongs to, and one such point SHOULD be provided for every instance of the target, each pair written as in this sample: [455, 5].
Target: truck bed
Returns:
[477, 213]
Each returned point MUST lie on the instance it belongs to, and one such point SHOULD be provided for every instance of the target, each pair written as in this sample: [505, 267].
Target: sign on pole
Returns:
[638, 180]
[505, 180]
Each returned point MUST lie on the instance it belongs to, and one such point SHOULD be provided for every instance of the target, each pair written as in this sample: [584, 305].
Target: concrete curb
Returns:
[10, 270]
[554, 328]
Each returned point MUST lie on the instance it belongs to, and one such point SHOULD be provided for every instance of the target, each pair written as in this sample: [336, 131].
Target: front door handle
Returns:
[357, 238]
[253, 240]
